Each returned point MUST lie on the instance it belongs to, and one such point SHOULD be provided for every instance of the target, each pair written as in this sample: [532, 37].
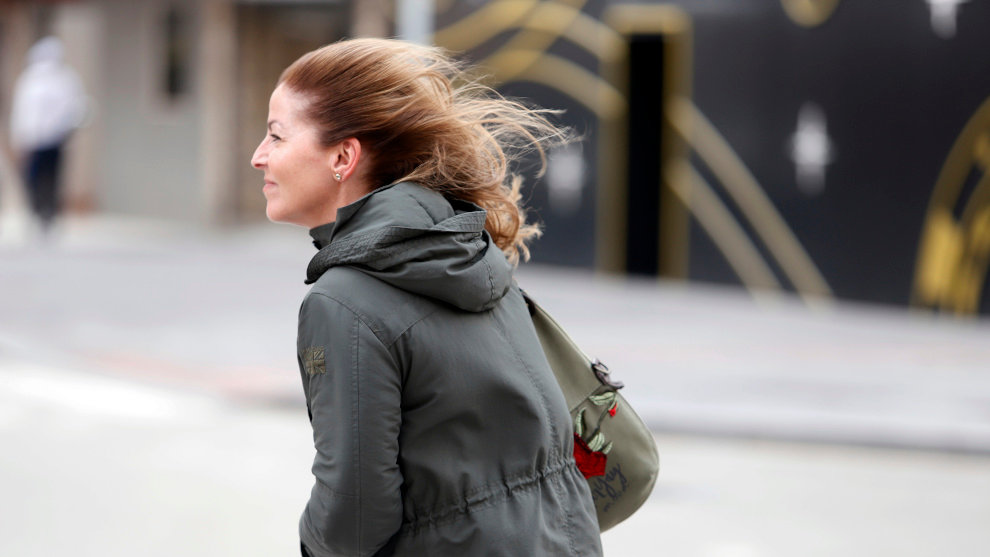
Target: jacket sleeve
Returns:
[353, 392]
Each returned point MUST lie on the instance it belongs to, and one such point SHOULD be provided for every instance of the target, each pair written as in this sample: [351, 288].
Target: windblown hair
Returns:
[425, 119]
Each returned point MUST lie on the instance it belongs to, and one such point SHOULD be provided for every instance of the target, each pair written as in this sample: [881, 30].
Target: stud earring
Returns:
[337, 176]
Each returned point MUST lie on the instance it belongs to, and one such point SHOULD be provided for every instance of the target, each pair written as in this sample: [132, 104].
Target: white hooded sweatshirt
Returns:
[49, 102]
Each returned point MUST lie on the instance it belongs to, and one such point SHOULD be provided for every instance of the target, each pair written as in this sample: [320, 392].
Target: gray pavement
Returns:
[149, 404]
[106, 467]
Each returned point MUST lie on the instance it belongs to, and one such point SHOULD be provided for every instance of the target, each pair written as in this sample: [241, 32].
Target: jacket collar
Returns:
[418, 240]
[322, 234]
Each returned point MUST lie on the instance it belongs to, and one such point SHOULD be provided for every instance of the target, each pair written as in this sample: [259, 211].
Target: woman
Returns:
[439, 428]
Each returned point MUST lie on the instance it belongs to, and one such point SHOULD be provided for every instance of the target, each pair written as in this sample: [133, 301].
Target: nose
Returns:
[260, 157]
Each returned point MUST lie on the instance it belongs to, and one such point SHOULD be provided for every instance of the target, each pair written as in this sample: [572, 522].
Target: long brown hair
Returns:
[424, 119]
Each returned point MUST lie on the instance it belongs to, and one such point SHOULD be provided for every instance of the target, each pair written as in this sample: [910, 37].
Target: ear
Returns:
[344, 158]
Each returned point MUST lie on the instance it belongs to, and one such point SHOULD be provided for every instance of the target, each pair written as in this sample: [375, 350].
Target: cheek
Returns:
[275, 159]
[291, 163]
[284, 168]
[310, 170]
[298, 167]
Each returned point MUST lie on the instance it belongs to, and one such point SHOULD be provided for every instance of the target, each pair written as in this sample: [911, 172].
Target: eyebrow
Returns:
[272, 123]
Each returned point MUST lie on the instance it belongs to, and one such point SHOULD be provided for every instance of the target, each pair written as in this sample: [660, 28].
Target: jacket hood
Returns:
[46, 51]
[419, 241]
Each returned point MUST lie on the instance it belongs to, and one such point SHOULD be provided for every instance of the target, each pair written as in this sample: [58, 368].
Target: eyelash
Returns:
[274, 137]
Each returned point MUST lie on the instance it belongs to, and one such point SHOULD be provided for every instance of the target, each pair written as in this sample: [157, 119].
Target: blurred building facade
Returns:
[826, 147]
[179, 94]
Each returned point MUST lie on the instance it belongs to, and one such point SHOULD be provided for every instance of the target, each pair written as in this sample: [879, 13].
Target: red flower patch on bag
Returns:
[590, 463]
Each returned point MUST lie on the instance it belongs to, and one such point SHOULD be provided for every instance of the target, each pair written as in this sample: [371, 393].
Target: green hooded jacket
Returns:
[438, 425]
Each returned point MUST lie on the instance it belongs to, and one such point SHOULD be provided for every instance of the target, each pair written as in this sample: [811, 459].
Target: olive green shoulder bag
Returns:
[613, 448]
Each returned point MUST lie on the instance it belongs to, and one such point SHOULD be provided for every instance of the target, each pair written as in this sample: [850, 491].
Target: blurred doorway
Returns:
[644, 204]
[643, 222]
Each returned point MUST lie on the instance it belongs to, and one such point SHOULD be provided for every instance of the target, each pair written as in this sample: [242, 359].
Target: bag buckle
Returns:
[602, 373]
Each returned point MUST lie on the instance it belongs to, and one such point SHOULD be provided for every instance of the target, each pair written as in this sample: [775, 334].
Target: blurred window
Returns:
[177, 48]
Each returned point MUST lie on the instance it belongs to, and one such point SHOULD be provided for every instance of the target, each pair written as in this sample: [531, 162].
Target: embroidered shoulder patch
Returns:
[314, 360]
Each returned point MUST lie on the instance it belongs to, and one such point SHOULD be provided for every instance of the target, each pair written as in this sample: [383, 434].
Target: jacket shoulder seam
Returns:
[357, 314]
[386, 337]
[409, 327]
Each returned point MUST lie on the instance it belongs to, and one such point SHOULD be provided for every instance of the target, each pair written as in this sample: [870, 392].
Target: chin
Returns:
[274, 214]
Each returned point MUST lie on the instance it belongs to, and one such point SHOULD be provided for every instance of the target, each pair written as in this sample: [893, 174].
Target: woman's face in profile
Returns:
[297, 167]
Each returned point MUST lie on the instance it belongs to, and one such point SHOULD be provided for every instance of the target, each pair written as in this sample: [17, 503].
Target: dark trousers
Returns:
[42, 182]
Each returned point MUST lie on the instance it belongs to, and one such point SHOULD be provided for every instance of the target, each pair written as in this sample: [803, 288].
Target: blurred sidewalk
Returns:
[96, 466]
[101, 467]
[214, 311]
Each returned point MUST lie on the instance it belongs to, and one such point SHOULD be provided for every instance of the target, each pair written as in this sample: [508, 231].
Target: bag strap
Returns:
[597, 366]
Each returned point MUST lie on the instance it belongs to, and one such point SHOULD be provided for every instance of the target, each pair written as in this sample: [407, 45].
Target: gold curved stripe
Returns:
[939, 253]
[972, 271]
[483, 24]
[630, 19]
[551, 21]
[548, 20]
[809, 13]
[702, 136]
[728, 236]
[524, 57]
[581, 29]
[951, 265]
[951, 179]
[978, 199]
[980, 244]
[592, 92]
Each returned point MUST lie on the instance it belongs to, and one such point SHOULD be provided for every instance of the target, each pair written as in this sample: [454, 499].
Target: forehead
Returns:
[286, 106]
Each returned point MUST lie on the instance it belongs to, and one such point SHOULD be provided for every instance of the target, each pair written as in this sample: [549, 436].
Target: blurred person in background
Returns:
[48, 105]
[438, 425]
